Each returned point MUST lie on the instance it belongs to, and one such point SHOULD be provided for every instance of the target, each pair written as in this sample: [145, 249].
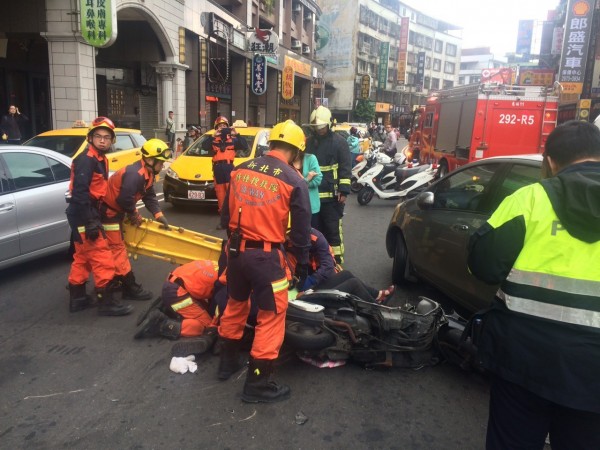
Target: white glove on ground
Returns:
[182, 365]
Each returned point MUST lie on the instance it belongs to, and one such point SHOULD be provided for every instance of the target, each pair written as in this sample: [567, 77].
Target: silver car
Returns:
[429, 234]
[33, 183]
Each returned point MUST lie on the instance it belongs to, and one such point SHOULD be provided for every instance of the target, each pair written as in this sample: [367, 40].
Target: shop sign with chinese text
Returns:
[365, 86]
[259, 74]
[575, 46]
[384, 53]
[99, 22]
[287, 83]
[263, 41]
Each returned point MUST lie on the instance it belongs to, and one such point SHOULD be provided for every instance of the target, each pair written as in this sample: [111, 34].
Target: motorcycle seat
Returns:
[402, 173]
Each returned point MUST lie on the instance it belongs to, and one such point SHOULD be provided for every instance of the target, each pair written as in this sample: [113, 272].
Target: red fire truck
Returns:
[468, 123]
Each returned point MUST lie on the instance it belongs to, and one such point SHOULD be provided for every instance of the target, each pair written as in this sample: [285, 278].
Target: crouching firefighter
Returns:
[125, 188]
[183, 310]
[263, 193]
[88, 186]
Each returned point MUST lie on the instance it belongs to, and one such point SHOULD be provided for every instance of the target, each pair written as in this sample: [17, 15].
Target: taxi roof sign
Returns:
[79, 124]
[239, 124]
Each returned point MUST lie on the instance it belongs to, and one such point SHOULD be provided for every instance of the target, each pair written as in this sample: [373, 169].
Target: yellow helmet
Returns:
[155, 148]
[320, 117]
[290, 133]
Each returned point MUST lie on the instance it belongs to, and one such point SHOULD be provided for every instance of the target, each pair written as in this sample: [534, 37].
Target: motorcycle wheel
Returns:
[301, 336]
[355, 186]
[365, 195]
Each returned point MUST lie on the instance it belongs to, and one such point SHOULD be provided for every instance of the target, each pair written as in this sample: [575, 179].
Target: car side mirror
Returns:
[425, 200]
[261, 150]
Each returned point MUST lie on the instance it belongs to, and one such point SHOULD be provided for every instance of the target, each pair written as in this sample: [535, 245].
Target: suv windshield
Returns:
[67, 145]
[197, 150]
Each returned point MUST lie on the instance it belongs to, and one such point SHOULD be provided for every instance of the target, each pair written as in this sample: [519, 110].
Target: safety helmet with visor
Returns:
[320, 118]
[220, 120]
[159, 151]
[101, 122]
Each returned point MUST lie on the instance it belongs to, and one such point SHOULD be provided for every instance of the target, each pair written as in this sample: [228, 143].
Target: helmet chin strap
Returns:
[153, 165]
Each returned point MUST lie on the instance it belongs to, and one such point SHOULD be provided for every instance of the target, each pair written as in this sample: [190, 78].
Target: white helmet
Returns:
[320, 117]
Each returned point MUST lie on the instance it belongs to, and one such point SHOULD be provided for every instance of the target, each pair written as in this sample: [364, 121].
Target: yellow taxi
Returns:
[189, 179]
[72, 141]
[343, 129]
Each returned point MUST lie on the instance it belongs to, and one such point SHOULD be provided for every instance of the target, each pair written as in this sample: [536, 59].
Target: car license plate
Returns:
[196, 195]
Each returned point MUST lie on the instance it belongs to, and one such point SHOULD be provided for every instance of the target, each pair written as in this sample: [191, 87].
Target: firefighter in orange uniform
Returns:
[125, 188]
[263, 193]
[184, 309]
[223, 144]
[88, 186]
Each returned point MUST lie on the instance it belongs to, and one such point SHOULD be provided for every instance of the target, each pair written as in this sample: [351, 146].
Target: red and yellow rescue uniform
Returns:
[187, 293]
[262, 195]
[89, 175]
[224, 150]
[125, 188]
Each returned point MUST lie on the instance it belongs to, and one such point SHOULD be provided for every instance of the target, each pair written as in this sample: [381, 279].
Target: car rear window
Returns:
[67, 145]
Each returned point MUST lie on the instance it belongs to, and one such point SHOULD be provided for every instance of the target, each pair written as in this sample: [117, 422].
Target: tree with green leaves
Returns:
[364, 111]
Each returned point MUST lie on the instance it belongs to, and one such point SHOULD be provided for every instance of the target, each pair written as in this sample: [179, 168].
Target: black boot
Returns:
[230, 361]
[195, 345]
[259, 388]
[78, 299]
[132, 290]
[108, 304]
[156, 304]
[158, 324]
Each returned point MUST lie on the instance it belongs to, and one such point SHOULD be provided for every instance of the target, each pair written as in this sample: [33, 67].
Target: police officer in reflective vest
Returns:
[223, 144]
[541, 337]
[88, 186]
[125, 188]
[333, 154]
[265, 193]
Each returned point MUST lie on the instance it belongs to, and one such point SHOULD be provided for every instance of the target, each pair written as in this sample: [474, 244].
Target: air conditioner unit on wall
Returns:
[296, 43]
[305, 49]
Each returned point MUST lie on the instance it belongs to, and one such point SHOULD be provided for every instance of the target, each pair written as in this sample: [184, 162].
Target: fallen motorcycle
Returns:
[330, 325]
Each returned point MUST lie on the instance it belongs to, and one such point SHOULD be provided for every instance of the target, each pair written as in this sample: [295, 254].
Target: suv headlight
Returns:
[171, 173]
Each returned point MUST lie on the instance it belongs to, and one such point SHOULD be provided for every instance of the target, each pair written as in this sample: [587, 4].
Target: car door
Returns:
[440, 245]
[123, 152]
[40, 185]
[9, 232]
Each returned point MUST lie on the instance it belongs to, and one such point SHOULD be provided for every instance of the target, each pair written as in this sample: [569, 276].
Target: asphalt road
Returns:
[82, 381]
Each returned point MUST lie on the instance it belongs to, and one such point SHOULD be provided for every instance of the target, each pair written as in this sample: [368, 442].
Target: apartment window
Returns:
[435, 83]
[411, 58]
[449, 67]
[448, 84]
[411, 37]
[438, 46]
[373, 20]
[450, 49]
[461, 80]
[410, 79]
[475, 79]
[419, 40]
[428, 43]
[363, 16]
[437, 64]
[393, 53]
[427, 62]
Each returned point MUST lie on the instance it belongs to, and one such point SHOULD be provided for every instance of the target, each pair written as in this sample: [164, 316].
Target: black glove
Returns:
[163, 221]
[301, 274]
[92, 231]
[135, 219]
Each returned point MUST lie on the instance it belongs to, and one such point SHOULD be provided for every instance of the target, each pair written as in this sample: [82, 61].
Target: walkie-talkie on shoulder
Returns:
[235, 240]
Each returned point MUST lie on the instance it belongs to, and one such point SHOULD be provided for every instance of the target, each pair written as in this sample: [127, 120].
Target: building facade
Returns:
[191, 57]
[475, 60]
[403, 54]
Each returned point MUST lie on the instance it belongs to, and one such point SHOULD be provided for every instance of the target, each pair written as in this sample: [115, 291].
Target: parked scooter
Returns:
[376, 181]
[366, 160]
[330, 326]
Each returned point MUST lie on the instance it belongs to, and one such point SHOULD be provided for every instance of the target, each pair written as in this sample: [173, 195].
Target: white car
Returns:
[33, 223]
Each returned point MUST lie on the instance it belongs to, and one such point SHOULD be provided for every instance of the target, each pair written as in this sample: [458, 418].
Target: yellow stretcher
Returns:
[177, 245]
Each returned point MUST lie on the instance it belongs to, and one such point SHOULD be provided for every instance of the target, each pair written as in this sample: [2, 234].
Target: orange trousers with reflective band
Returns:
[117, 248]
[92, 257]
[262, 273]
[220, 191]
[195, 320]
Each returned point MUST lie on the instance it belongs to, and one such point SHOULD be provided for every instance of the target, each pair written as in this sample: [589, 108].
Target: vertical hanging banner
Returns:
[403, 49]
[365, 86]
[287, 83]
[384, 54]
[98, 22]
[575, 46]
[259, 74]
